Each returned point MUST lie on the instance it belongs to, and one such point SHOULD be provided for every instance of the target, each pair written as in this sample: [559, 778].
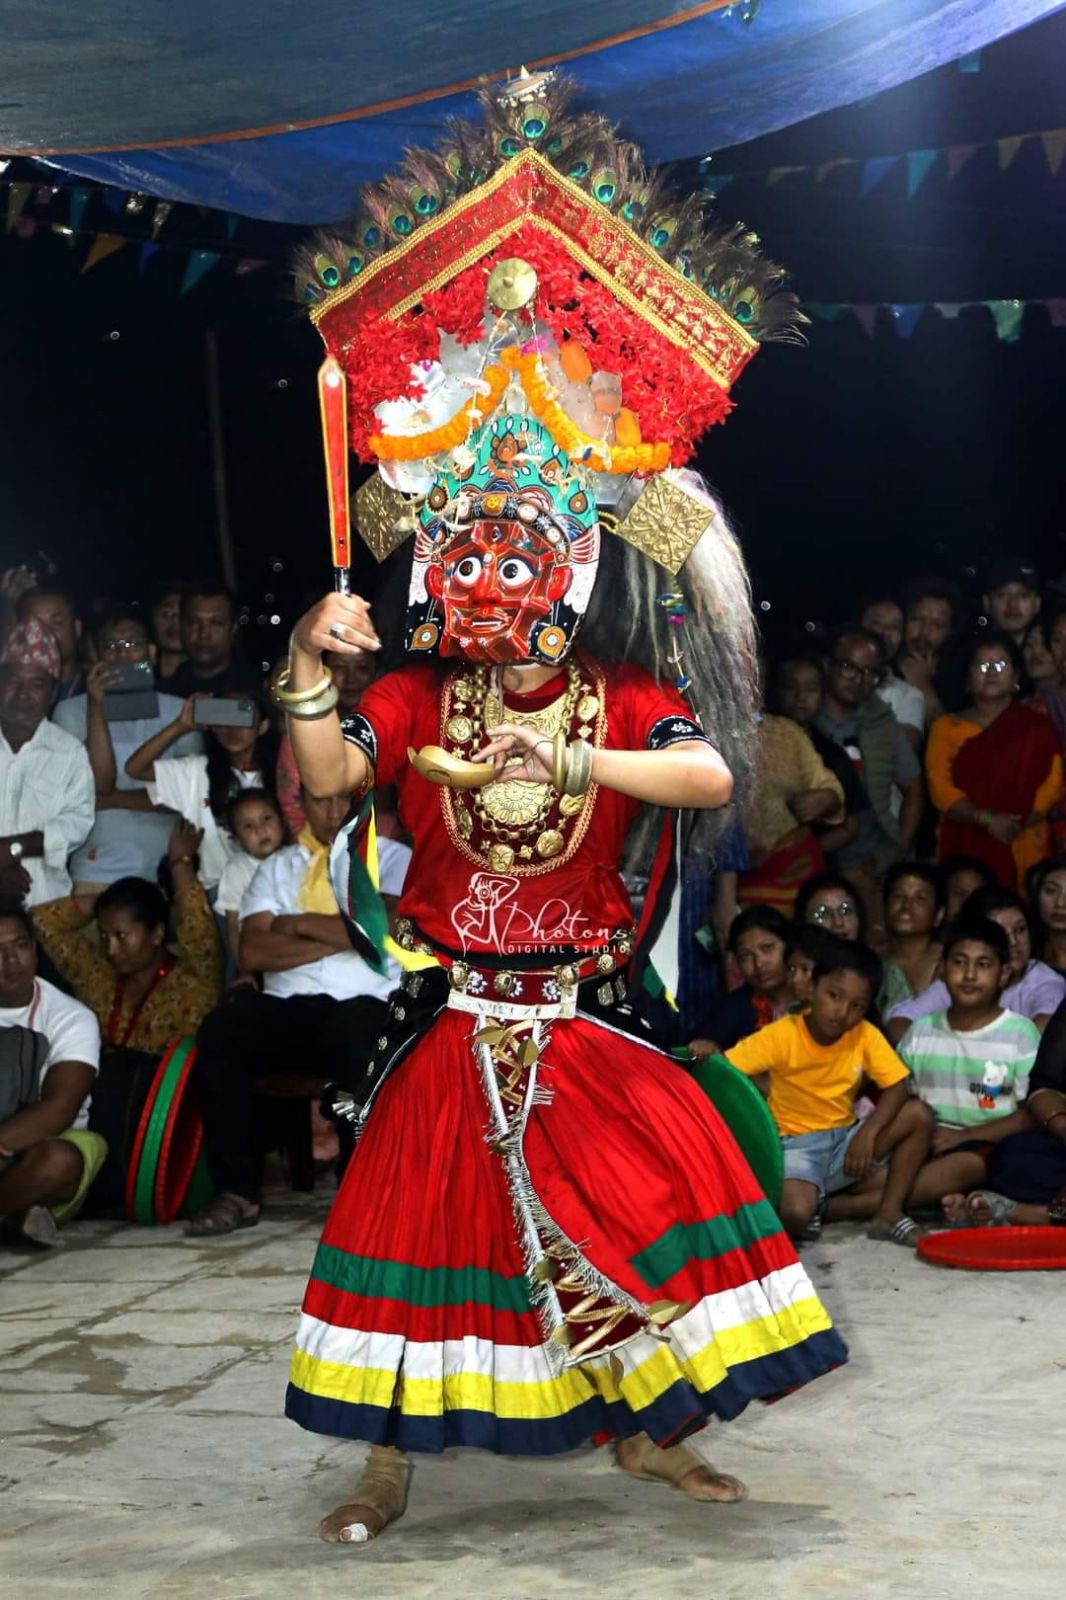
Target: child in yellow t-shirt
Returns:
[816, 1063]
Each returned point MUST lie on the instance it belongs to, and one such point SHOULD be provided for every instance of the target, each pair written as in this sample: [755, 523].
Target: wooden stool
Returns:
[297, 1096]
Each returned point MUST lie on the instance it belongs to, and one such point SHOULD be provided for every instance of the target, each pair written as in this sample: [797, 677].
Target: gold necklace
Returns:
[512, 825]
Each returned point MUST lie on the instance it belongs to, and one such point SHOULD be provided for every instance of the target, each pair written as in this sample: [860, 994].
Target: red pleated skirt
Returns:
[420, 1328]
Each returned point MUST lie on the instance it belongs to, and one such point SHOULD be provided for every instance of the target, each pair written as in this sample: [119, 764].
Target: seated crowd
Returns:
[881, 944]
[161, 876]
[891, 918]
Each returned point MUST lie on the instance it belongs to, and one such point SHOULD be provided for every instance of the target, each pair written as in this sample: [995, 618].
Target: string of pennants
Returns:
[915, 165]
[1007, 315]
[35, 208]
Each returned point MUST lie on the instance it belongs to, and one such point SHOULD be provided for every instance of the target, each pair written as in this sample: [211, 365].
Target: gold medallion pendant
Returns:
[511, 825]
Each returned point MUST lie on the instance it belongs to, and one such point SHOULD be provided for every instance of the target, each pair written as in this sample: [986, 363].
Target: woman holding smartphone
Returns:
[241, 753]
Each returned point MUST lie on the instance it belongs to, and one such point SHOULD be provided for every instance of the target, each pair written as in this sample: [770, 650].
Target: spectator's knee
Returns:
[796, 1211]
[57, 1166]
[917, 1114]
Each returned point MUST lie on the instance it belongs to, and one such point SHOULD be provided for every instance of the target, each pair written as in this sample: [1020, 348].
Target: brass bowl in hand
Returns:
[439, 766]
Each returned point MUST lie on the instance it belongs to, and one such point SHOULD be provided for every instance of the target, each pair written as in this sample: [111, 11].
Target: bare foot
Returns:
[954, 1206]
[225, 1214]
[679, 1466]
[704, 1483]
[383, 1492]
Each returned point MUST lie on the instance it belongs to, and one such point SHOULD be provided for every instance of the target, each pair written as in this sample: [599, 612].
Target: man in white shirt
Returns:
[130, 835]
[49, 1057]
[319, 1016]
[47, 795]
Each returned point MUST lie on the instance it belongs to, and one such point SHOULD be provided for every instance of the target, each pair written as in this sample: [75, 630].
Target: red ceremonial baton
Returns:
[333, 404]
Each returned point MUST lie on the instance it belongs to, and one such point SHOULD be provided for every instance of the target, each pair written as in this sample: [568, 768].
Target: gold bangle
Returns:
[297, 697]
[559, 762]
[578, 768]
[311, 710]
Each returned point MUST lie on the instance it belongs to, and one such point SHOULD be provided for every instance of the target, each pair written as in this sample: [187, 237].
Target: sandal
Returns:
[905, 1232]
[225, 1214]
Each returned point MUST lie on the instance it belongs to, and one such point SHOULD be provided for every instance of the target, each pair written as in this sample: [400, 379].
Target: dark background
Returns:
[848, 466]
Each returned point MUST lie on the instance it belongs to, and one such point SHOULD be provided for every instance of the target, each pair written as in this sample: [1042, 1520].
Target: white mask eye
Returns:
[467, 571]
[515, 573]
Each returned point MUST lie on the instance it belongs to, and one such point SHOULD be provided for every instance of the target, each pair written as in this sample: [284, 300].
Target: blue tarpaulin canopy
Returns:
[279, 110]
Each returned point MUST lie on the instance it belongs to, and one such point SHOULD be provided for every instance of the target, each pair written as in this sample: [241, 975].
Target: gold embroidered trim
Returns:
[689, 298]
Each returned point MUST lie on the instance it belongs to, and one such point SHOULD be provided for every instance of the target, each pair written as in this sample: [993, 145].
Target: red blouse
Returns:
[454, 896]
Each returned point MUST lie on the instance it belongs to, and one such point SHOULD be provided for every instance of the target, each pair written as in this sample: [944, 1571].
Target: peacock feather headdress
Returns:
[535, 263]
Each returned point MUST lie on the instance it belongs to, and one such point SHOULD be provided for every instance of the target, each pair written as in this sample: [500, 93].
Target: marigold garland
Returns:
[579, 446]
[670, 397]
[436, 441]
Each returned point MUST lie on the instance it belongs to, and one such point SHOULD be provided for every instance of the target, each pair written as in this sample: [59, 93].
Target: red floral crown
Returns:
[550, 212]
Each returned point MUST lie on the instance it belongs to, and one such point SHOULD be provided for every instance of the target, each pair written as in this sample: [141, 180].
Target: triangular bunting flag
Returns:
[1007, 315]
[232, 221]
[198, 266]
[114, 200]
[17, 196]
[970, 63]
[79, 199]
[774, 176]
[1008, 149]
[874, 170]
[103, 245]
[148, 249]
[717, 181]
[866, 317]
[1054, 149]
[1056, 310]
[823, 169]
[958, 155]
[948, 308]
[250, 264]
[906, 319]
[919, 163]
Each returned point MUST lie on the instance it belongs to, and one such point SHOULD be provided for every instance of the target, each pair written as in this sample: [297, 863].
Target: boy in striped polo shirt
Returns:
[970, 1063]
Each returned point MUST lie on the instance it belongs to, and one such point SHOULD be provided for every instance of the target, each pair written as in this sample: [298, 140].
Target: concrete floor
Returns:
[143, 1452]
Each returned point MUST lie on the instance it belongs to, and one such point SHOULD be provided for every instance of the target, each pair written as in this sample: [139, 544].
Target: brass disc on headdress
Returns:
[512, 284]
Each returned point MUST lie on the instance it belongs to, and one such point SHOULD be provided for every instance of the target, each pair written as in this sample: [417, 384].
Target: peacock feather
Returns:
[725, 260]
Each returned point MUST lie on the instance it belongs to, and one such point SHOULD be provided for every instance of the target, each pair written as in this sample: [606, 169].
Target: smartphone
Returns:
[225, 713]
[133, 694]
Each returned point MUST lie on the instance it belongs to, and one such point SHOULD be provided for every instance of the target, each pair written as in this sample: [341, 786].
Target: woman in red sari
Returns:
[994, 769]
